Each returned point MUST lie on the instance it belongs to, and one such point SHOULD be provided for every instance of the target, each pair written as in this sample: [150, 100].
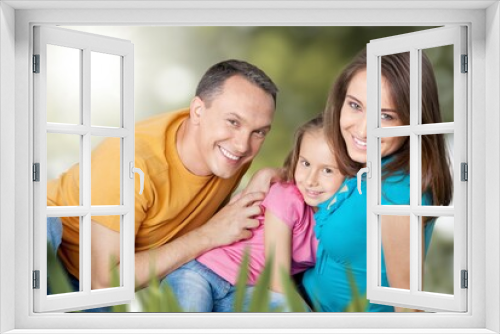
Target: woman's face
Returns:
[353, 119]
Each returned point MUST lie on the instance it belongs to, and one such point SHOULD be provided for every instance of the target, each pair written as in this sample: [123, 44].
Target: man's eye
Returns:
[261, 133]
[232, 122]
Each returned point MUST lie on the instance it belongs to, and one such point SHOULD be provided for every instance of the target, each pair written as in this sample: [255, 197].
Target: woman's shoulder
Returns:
[396, 189]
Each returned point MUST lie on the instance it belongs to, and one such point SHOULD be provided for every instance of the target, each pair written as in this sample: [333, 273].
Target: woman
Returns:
[342, 231]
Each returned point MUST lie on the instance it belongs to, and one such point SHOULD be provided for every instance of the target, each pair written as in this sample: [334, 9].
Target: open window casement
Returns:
[80, 80]
[425, 223]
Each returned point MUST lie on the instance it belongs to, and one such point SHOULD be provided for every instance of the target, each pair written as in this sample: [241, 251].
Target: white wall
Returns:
[492, 153]
[7, 161]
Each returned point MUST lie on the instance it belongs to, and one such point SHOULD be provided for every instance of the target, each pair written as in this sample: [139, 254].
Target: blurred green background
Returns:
[302, 61]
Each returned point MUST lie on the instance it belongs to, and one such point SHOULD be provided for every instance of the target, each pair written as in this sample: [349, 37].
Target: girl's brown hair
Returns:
[436, 176]
[290, 164]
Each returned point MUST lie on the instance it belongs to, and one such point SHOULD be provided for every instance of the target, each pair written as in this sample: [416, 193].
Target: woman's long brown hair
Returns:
[436, 175]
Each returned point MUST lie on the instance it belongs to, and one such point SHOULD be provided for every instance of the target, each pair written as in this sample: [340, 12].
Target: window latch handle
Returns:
[133, 170]
[366, 170]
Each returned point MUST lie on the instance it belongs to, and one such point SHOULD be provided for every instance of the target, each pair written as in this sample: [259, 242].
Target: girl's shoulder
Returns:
[284, 188]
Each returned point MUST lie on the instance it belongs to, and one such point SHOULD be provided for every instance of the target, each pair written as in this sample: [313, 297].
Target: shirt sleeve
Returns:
[285, 202]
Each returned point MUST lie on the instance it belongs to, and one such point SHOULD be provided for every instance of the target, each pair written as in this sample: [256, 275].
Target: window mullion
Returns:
[414, 168]
[85, 176]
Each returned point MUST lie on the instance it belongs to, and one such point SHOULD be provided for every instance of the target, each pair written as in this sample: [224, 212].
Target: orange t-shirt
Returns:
[174, 200]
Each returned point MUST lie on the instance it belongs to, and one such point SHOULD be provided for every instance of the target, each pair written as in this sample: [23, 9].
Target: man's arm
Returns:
[232, 223]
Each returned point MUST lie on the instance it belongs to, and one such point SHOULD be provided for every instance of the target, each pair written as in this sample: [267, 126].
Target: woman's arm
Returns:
[396, 245]
[278, 243]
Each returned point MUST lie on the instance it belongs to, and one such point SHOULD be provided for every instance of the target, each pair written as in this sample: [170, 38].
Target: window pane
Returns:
[105, 89]
[63, 254]
[395, 162]
[110, 264]
[438, 268]
[441, 59]
[105, 171]
[395, 251]
[394, 91]
[63, 84]
[437, 151]
[63, 155]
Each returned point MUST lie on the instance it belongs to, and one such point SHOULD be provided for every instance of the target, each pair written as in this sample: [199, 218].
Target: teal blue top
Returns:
[341, 231]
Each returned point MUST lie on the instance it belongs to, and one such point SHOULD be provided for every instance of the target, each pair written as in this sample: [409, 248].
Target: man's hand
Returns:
[260, 182]
[234, 222]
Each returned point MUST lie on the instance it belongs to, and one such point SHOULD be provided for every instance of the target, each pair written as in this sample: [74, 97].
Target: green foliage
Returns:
[294, 300]
[241, 284]
[160, 297]
[57, 279]
[358, 302]
[260, 296]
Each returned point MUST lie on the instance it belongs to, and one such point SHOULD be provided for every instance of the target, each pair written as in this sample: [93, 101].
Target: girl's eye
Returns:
[304, 163]
[328, 171]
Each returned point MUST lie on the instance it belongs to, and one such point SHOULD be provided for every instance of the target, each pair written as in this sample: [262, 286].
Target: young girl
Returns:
[310, 177]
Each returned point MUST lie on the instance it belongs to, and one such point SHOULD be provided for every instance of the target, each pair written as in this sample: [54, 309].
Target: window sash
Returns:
[413, 43]
[86, 297]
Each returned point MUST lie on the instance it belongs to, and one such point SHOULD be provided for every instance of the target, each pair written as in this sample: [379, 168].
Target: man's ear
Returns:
[196, 109]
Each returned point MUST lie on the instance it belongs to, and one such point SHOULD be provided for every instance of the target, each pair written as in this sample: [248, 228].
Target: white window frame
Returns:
[415, 43]
[85, 43]
[483, 20]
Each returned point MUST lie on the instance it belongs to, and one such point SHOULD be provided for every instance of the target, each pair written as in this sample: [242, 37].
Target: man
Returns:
[193, 160]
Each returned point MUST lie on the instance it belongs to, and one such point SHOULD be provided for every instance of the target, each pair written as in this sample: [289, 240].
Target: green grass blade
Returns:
[57, 277]
[293, 298]
[241, 283]
[169, 299]
[115, 282]
[260, 297]
[358, 302]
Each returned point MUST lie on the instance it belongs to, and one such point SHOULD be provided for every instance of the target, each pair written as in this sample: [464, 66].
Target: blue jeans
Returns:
[199, 289]
[54, 239]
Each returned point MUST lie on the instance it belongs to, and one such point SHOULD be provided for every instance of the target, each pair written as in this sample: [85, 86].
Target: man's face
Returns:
[232, 126]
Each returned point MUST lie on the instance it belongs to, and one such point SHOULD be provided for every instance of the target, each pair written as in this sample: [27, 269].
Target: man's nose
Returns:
[242, 142]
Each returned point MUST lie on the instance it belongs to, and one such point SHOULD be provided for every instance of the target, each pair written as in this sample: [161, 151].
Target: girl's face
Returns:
[316, 173]
[353, 119]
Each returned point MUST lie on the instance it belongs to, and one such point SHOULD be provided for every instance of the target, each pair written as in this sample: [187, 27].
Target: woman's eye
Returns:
[386, 117]
[354, 105]
[327, 171]
[304, 163]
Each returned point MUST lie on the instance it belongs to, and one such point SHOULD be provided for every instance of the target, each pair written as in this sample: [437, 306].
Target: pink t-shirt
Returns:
[286, 202]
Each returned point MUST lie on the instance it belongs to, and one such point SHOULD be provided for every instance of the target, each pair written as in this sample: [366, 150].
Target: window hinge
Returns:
[36, 63]
[465, 279]
[36, 172]
[464, 171]
[465, 64]
[36, 279]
